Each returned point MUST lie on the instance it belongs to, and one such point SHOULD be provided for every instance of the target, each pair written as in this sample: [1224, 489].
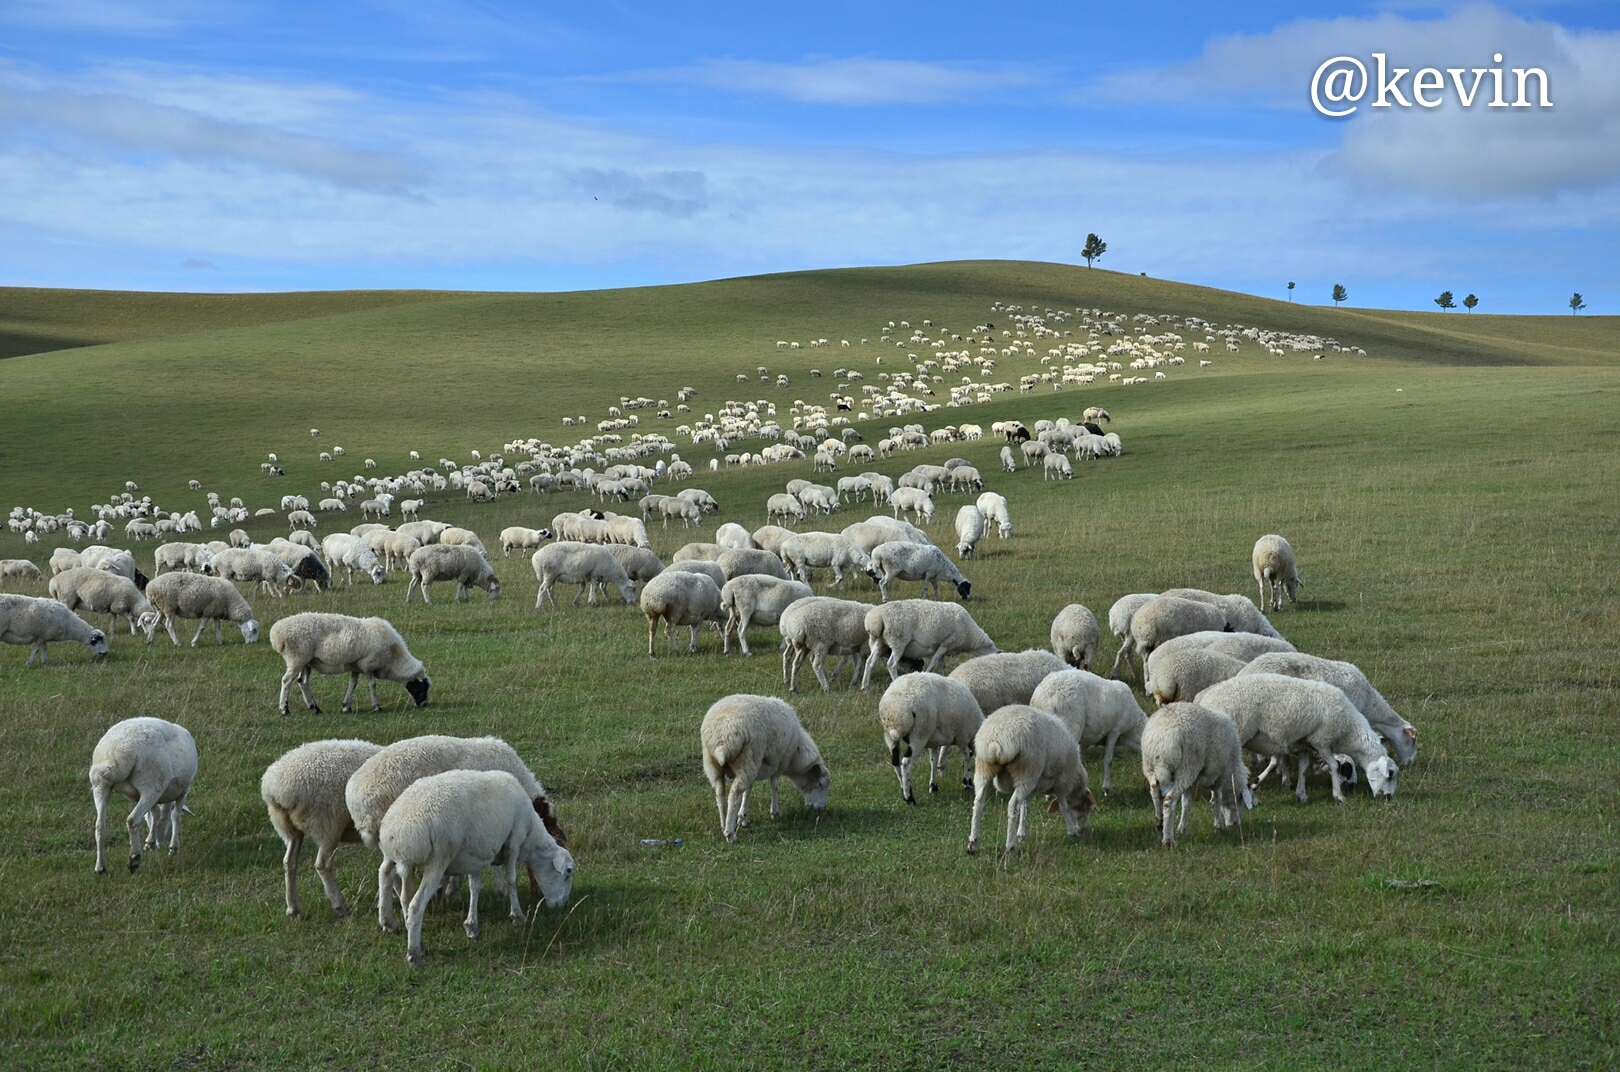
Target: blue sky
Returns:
[253, 145]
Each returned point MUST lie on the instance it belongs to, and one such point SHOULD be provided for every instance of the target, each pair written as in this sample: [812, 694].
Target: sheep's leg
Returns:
[142, 806]
[717, 778]
[1015, 819]
[776, 803]
[289, 869]
[197, 639]
[475, 884]
[981, 789]
[581, 592]
[936, 764]
[100, 792]
[967, 767]
[652, 634]
[168, 624]
[1326, 755]
[736, 812]
[742, 806]
[219, 632]
[431, 877]
[173, 817]
[1108, 765]
[371, 682]
[1305, 765]
[692, 646]
[939, 653]
[326, 870]
[286, 689]
[742, 634]
[385, 897]
[514, 904]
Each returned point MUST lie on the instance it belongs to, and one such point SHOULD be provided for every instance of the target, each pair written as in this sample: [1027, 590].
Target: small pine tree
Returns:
[1444, 301]
[1290, 290]
[1339, 293]
[1470, 302]
[1094, 248]
[1576, 303]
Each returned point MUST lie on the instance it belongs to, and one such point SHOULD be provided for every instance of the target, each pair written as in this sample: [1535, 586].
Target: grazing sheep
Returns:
[1244, 647]
[1184, 672]
[349, 553]
[770, 537]
[94, 591]
[1242, 616]
[807, 552]
[917, 562]
[254, 566]
[518, 538]
[20, 568]
[756, 599]
[458, 823]
[1007, 677]
[64, 559]
[689, 512]
[680, 598]
[397, 549]
[153, 763]
[1023, 751]
[1188, 746]
[448, 562]
[1279, 716]
[1348, 678]
[1096, 710]
[913, 501]
[591, 566]
[877, 529]
[209, 599]
[921, 629]
[339, 644]
[426, 531]
[784, 506]
[639, 563]
[303, 791]
[820, 626]
[459, 537]
[240, 538]
[747, 738]
[994, 509]
[969, 530]
[1275, 571]
[697, 552]
[927, 711]
[711, 570]
[39, 622]
[751, 561]
[1034, 451]
[301, 519]
[1056, 467]
[1009, 461]
[1075, 635]
[732, 536]
[1165, 617]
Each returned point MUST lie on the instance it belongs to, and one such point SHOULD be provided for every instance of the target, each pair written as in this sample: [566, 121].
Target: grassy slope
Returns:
[1459, 548]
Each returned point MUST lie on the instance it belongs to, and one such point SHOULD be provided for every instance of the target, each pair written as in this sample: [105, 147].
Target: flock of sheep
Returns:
[438, 807]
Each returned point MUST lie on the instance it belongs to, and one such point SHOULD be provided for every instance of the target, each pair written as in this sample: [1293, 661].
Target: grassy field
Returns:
[1452, 498]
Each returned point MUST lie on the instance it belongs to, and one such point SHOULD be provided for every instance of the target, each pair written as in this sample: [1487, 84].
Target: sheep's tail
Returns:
[995, 752]
[104, 773]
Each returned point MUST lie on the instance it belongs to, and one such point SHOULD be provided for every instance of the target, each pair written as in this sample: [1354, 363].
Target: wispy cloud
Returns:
[132, 17]
[669, 193]
[853, 81]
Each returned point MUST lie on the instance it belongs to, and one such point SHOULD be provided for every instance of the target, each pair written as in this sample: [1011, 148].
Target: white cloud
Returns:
[854, 81]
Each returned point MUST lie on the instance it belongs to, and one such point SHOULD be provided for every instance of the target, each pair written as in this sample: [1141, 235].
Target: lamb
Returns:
[339, 644]
[209, 599]
[746, 738]
[38, 622]
[21, 568]
[994, 509]
[1096, 711]
[688, 511]
[460, 822]
[350, 553]
[303, 791]
[1075, 635]
[1184, 672]
[756, 599]
[447, 562]
[639, 563]
[254, 566]
[301, 519]
[1242, 616]
[969, 530]
[153, 763]
[1187, 746]
[921, 629]
[752, 561]
[1348, 678]
[810, 551]
[917, 562]
[1275, 571]
[680, 598]
[1245, 647]
[1279, 716]
[1023, 751]
[927, 711]
[99, 592]
[820, 626]
[591, 566]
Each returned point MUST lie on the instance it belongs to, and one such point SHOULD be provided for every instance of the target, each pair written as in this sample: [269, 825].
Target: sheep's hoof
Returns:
[293, 913]
[518, 918]
[341, 911]
[285, 709]
[472, 929]
[973, 848]
[378, 707]
[314, 709]
[1108, 790]
[101, 869]
[389, 926]
[134, 863]
[415, 958]
[909, 799]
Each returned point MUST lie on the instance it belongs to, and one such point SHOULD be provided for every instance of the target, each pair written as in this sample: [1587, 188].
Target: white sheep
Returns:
[1007, 677]
[397, 549]
[877, 529]
[754, 599]
[639, 563]
[733, 536]
[1245, 647]
[913, 501]
[66, 558]
[1075, 635]
[448, 562]
[196, 557]
[1348, 678]
[769, 537]
[458, 823]
[349, 553]
[804, 553]
[38, 622]
[1275, 571]
[591, 566]
[697, 552]
[1183, 672]
[917, 562]
[747, 738]
[459, 537]
[752, 560]
[921, 629]
[254, 566]
[20, 568]
[784, 506]
[969, 530]
[710, 570]
[208, 599]
[1056, 467]
[818, 627]
[994, 509]
[1166, 617]
[153, 763]
[932, 713]
[338, 644]
[1009, 461]
[1242, 616]
[678, 597]
[1187, 746]
[1279, 716]
[1023, 751]
[1096, 711]
[303, 791]
[94, 591]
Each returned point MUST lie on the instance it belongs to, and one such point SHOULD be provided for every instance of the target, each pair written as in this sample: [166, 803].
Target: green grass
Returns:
[1456, 538]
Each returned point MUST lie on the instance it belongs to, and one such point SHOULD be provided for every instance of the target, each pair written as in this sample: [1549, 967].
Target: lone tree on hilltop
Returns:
[1339, 293]
[1094, 248]
[1576, 303]
[1444, 301]
[1290, 290]
[1469, 302]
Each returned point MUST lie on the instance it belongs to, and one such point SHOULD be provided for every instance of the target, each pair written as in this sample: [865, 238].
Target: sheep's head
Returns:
[148, 623]
[418, 688]
[1381, 775]
[378, 574]
[494, 589]
[97, 642]
[963, 587]
[250, 631]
